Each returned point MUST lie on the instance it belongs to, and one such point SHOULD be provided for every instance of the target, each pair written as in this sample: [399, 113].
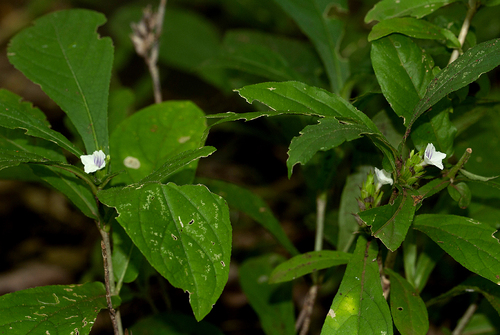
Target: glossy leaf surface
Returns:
[408, 309]
[55, 309]
[183, 231]
[298, 97]
[413, 28]
[359, 306]
[469, 242]
[309, 262]
[64, 55]
[387, 9]
[403, 72]
[272, 302]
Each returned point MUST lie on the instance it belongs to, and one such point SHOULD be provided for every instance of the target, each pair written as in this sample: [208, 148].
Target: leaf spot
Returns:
[184, 139]
[331, 313]
[223, 264]
[400, 308]
[174, 237]
[131, 162]
[271, 88]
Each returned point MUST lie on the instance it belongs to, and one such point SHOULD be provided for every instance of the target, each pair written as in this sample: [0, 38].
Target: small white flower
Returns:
[433, 157]
[383, 177]
[94, 162]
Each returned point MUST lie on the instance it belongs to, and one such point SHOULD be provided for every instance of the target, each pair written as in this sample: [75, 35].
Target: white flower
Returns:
[383, 177]
[94, 162]
[433, 157]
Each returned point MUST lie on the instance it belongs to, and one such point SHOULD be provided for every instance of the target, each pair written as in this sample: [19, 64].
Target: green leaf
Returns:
[183, 231]
[309, 262]
[435, 127]
[387, 9]
[58, 309]
[56, 176]
[120, 106]
[178, 162]
[461, 193]
[64, 55]
[143, 142]
[472, 284]
[475, 177]
[327, 134]
[464, 70]
[469, 242]
[427, 261]
[325, 32]
[348, 206]
[359, 306]
[270, 56]
[16, 114]
[272, 302]
[414, 28]
[173, 324]
[9, 158]
[408, 309]
[301, 98]
[403, 71]
[254, 206]
[390, 223]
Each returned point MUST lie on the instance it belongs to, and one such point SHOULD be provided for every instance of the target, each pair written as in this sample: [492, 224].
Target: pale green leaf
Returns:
[476, 177]
[359, 307]
[64, 55]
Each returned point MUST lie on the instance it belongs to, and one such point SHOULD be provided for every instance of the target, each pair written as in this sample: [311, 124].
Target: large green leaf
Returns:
[304, 99]
[403, 71]
[309, 262]
[387, 9]
[126, 257]
[414, 28]
[469, 242]
[408, 309]
[272, 302]
[464, 70]
[359, 306]
[59, 309]
[328, 134]
[16, 114]
[253, 205]
[143, 142]
[64, 55]
[10, 158]
[390, 223]
[183, 231]
[325, 32]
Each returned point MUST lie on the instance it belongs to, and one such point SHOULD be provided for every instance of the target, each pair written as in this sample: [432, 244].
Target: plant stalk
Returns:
[320, 220]
[152, 60]
[465, 29]
[109, 280]
[453, 171]
[464, 320]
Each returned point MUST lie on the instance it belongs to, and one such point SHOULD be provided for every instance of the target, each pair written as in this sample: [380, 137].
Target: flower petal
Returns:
[94, 162]
[383, 176]
[433, 157]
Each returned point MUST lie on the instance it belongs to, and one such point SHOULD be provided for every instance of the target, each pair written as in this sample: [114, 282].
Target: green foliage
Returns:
[336, 95]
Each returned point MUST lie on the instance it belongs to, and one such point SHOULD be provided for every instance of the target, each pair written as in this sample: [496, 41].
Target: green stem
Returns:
[320, 220]
[80, 174]
[473, 5]
[453, 171]
[464, 320]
